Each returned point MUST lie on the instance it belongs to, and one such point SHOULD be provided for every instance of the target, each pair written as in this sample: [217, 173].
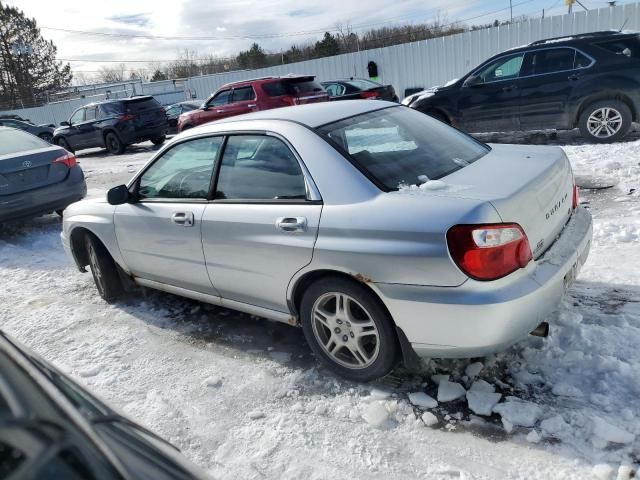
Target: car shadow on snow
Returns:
[547, 137]
[146, 147]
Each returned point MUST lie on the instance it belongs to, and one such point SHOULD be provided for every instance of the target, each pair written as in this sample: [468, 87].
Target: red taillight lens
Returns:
[126, 116]
[576, 197]
[68, 159]
[489, 252]
[369, 95]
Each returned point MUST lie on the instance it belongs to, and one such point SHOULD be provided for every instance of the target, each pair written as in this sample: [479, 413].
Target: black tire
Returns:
[103, 269]
[62, 142]
[588, 126]
[47, 137]
[114, 144]
[159, 140]
[388, 350]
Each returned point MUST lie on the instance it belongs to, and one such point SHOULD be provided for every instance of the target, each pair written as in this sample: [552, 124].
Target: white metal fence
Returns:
[418, 64]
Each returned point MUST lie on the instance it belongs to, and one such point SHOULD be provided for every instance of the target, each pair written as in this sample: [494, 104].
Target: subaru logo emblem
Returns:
[27, 163]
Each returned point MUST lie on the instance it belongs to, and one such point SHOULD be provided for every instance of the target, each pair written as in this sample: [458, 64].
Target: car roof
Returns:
[266, 80]
[568, 40]
[312, 115]
[137, 98]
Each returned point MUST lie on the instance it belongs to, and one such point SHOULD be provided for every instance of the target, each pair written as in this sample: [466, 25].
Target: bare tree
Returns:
[112, 74]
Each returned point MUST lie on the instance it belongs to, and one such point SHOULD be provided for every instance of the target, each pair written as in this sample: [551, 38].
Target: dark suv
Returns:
[589, 81]
[114, 124]
[252, 95]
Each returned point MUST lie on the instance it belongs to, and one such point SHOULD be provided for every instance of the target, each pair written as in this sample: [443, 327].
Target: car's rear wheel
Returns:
[158, 140]
[348, 329]
[605, 121]
[103, 268]
[114, 144]
[47, 137]
[62, 142]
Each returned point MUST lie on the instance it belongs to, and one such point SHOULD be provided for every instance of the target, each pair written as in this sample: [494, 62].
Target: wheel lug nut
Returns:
[345, 338]
[339, 322]
[337, 330]
[352, 335]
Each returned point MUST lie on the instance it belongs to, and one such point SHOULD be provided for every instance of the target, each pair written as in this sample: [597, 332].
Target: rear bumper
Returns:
[478, 318]
[141, 135]
[46, 199]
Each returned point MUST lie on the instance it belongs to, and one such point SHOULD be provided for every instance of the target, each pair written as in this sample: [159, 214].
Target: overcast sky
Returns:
[230, 20]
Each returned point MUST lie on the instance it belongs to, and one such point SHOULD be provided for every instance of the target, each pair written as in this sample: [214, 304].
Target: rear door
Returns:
[26, 163]
[548, 78]
[491, 104]
[159, 235]
[262, 225]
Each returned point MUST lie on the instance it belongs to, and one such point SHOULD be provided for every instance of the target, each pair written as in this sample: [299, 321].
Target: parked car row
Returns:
[590, 82]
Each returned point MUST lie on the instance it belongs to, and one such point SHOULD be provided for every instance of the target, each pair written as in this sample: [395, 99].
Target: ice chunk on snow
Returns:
[377, 394]
[482, 403]
[610, 433]
[256, 414]
[421, 399]
[519, 412]
[625, 472]
[554, 426]
[429, 419]
[508, 426]
[533, 437]
[90, 371]
[602, 471]
[438, 378]
[566, 390]
[448, 391]
[473, 369]
[213, 381]
[376, 414]
[482, 386]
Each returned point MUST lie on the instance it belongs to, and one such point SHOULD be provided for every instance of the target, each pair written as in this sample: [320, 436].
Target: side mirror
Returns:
[473, 81]
[205, 107]
[118, 195]
[65, 124]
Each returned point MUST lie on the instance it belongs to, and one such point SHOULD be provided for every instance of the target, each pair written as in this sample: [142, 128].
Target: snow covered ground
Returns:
[244, 398]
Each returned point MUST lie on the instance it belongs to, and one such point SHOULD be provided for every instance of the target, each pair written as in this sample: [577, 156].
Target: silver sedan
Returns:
[380, 231]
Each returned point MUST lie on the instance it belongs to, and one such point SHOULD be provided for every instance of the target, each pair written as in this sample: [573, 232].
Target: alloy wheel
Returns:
[345, 330]
[604, 122]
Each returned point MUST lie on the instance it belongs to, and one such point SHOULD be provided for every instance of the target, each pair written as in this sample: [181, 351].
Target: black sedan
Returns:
[51, 428]
[45, 132]
[35, 176]
[177, 109]
[359, 88]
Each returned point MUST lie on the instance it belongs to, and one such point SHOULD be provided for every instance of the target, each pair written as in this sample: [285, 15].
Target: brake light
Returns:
[126, 116]
[489, 252]
[369, 95]
[69, 159]
[576, 197]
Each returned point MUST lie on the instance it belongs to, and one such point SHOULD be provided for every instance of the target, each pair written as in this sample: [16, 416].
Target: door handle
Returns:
[291, 224]
[251, 105]
[220, 111]
[184, 219]
[509, 88]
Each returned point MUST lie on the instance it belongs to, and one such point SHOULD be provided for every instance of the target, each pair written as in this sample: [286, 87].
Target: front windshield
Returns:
[399, 146]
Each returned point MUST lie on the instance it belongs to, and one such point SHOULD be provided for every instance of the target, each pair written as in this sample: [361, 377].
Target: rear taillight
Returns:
[126, 116]
[369, 95]
[489, 252]
[69, 159]
[576, 197]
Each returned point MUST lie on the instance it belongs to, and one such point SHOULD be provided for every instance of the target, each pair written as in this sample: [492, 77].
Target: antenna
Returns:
[624, 24]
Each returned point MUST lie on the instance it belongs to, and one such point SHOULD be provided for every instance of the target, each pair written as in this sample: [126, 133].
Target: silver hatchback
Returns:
[380, 231]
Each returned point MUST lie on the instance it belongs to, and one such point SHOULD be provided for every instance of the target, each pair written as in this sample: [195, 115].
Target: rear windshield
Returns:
[628, 47]
[292, 87]
[134, 106]
[362, 84]
[399, 146]
[12, 141]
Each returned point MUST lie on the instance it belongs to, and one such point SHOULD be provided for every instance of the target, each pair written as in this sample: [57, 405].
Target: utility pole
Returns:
[511, 9]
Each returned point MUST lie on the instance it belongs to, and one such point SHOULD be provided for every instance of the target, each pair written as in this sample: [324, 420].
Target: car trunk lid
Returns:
[22, 171]
[531, 186]
[146, 112]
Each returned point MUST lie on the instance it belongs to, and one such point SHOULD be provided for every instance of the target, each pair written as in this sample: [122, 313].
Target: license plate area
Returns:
[570, 276]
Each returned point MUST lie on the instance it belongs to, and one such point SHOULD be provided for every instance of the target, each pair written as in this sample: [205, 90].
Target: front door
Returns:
[159, 235]
[262, 225]
[75, 135]
[548, 78]
[490, 103]
[215, 107]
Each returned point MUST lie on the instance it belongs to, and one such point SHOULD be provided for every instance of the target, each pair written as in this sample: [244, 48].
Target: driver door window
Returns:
[77, 117]
[184, 171]
[221, 98]
[504, 68]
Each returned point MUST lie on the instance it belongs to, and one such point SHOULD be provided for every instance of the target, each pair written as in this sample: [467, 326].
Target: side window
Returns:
[551, 60]
[503, 68]
[175, 110]
[581, 60]
[243, 94]
[221, 98]
[182, 172]
[110, 109]
[334, 90]
[77, 117]
[259, 168]
[626, 47]
[90, 114]
[274, 89]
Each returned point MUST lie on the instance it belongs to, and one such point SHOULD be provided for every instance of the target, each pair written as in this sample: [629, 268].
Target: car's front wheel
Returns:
[158, 140]
[348, 329]
[114, 144]
[103, 268]
[605, 121]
